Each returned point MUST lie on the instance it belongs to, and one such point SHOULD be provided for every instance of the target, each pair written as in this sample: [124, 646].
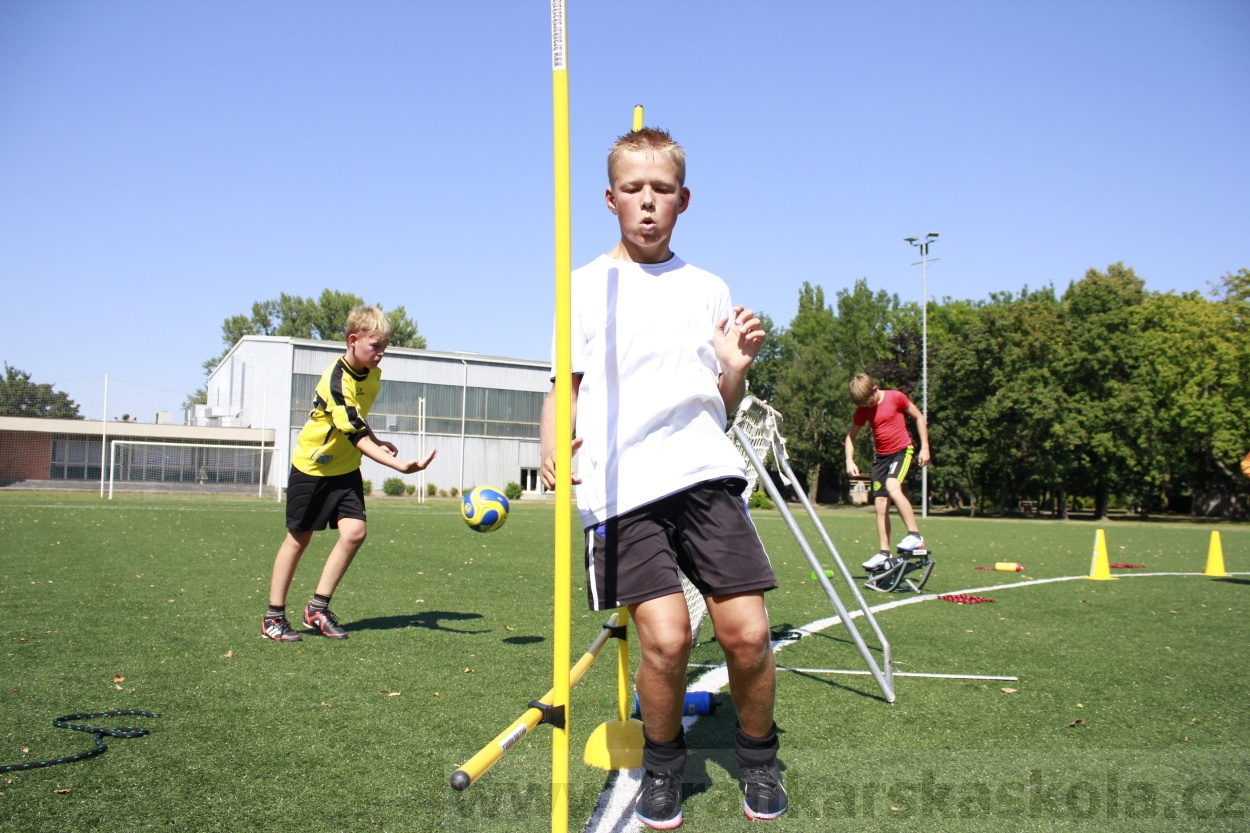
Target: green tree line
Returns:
[1105, 395]
[20, 397]
[292, 316]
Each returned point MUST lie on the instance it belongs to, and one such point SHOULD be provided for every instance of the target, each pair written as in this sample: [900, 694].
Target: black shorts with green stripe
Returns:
[890, 467]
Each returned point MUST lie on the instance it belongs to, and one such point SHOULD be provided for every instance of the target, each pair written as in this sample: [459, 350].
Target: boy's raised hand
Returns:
[737, 339]
[417, 465]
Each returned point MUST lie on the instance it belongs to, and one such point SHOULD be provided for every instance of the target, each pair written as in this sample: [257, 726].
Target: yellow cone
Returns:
[616, 744]
[1099, 566]
[1215, 557]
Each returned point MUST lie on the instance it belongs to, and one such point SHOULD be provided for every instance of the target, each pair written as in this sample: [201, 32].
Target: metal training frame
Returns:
[756, 433]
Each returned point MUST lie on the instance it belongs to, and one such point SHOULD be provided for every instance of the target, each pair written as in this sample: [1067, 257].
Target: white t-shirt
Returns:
[649, 411]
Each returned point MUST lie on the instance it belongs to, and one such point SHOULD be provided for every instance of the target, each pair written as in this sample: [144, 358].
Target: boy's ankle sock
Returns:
[753, 752]
[664, 757]
[319, 602]
[276, 612]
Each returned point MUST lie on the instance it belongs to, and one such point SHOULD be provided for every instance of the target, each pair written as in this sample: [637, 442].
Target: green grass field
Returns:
[154, 603]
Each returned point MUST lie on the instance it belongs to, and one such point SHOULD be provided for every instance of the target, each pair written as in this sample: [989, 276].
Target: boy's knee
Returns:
[353, 535]
[746, 645]
[669, 654]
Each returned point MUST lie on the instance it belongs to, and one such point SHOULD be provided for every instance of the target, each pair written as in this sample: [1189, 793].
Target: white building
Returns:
[480, 412]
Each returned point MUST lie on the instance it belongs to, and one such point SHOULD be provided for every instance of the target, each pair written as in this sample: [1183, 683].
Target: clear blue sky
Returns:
[163, 165]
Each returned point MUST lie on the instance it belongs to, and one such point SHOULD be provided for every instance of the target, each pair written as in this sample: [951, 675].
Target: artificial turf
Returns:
[154, 603]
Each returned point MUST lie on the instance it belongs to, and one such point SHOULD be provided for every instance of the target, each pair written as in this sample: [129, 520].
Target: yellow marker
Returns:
[1099, 566]
[1009, 567]
[1215, 556]
[638, 117]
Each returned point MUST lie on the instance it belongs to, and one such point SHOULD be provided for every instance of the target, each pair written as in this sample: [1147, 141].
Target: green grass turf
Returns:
[451, 637]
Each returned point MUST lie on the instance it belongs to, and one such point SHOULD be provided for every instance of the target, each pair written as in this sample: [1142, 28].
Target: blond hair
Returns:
[648, 140]
[369, 321]
[862, 387]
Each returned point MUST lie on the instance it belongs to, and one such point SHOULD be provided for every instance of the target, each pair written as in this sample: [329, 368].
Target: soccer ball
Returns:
[484, 508]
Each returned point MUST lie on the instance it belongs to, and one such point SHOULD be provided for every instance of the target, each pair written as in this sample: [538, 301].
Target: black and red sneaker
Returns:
[324, 622]
[278, 629]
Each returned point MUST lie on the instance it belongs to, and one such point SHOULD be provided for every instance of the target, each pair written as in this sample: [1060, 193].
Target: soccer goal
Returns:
[189, 467]
[756, 432]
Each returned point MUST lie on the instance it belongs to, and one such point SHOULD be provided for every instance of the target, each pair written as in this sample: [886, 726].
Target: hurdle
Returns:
[539, 711]
[757, 435]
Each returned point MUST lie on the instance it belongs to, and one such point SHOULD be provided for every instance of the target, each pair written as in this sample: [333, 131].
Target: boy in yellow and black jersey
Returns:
[325, 487]
[327, 445]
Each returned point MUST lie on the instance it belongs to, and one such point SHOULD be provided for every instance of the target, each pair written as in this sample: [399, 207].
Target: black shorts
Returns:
[313, 502]
[890, 466]
[705, 530]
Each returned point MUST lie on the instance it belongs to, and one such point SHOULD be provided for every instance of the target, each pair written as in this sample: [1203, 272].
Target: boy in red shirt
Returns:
[884, 411]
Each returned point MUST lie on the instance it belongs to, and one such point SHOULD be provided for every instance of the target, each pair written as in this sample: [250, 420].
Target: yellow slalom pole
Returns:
[564, 421]
[491, 753]
[638, 117]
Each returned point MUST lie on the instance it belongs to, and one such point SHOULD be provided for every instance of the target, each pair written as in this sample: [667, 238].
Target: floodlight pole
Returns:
[923, 245]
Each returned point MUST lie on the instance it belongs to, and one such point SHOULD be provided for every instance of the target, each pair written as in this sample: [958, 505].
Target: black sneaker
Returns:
[324, 623]
[659, 800]
[763, 795]
[278, 630]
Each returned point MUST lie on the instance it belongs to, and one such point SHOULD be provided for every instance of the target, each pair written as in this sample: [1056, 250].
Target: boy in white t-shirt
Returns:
[660, 355]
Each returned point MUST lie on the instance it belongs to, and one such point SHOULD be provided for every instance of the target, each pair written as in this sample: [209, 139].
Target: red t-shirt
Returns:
[887, 420]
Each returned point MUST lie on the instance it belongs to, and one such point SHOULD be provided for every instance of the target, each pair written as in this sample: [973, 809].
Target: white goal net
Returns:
[186, 467]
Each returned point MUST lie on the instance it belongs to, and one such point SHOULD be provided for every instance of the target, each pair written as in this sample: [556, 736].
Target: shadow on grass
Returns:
[1234, 580]
[711, 741]
[429, 619]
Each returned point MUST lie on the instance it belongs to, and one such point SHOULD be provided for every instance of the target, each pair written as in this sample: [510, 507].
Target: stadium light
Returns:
[923, 246]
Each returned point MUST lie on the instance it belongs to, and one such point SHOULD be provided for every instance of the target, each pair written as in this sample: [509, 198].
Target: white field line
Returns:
[614, 813]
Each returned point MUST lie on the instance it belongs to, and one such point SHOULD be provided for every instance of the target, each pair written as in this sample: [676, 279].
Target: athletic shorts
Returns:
[705, 530]
[312, 503]
[890, 467]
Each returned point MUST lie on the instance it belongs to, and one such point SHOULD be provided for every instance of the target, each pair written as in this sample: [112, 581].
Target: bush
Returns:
[367, 485]
[512, 491]
[412, 487]
[442, 493]
[760, 500]
[455, 492]
[430, 490]
[393, 486]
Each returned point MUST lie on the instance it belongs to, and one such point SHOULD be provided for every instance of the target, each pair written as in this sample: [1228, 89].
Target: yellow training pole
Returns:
[638, 117]
[564, 420]
[491, 753]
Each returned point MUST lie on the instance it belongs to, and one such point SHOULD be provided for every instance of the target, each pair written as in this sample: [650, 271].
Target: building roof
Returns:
[146, 430]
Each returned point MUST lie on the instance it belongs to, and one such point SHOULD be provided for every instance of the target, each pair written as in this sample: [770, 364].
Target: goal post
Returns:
[206, 468]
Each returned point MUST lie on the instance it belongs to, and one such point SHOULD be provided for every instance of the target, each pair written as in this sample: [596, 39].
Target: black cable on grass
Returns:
[99, 732]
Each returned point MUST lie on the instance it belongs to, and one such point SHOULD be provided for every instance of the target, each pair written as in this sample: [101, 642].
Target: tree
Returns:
[1098, 373]
[23, 398]
[317, 318]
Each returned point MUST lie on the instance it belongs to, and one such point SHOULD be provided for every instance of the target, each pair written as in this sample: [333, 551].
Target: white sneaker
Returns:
[877, 561]
[911, 542]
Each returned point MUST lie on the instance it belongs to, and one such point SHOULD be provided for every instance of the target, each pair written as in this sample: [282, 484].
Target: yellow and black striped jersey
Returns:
[327, 443]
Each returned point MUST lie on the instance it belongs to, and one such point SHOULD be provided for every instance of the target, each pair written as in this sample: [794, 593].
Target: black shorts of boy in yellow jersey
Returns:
[313, 503]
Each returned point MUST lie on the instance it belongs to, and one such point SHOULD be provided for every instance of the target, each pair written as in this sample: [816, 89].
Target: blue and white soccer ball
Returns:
[484, 508]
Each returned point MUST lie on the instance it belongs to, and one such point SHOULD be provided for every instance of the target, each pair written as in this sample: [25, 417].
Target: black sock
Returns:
[319, 602]
[664, 757]
[752, 752]
[276, 612]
